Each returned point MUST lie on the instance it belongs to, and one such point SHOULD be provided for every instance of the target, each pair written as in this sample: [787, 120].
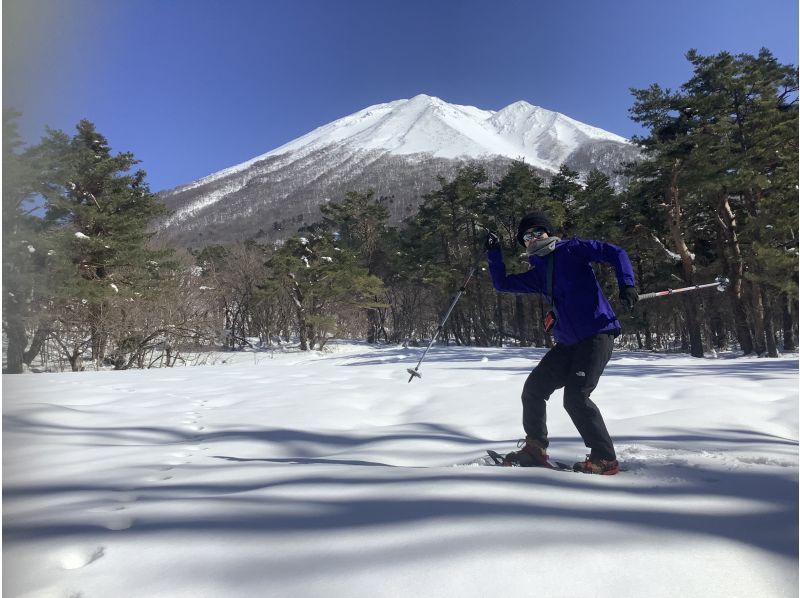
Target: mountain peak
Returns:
[423, 97]
[520, 105]
[396, 148]
[426, 125]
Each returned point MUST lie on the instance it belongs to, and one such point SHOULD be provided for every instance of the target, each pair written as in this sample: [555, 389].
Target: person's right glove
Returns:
[492, 242]
[629, 296]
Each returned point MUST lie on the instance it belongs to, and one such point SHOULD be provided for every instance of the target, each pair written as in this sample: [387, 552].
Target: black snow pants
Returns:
[577, 369]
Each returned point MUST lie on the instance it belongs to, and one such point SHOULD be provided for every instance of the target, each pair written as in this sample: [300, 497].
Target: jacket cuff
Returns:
[494, 255]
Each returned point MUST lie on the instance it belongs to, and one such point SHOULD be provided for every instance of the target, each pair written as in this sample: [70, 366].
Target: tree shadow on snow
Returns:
[644, 364]
[305, 513]
[308, 501]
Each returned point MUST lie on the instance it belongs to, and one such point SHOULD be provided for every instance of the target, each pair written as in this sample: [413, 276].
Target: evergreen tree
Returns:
[596, 211]
[360, 225]
[745, 110]
[518, 192]
[321, 280]
[359, 222]
[563, 188]
[25, 253]
[724, 149]
[98, 210]
[447, 238]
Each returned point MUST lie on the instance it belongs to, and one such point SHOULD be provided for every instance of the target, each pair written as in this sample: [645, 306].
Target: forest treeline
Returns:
[85, 281]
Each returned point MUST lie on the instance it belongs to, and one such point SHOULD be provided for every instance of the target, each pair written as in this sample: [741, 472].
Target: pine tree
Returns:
[98, 210]
[359, 223]
[596, 209]
[447, 238]
[322, 280]
[562, 189]
[26, 253]
[518, 192]
[724, 148]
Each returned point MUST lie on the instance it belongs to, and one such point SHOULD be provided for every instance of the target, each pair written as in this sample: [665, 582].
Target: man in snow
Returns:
[583, 325]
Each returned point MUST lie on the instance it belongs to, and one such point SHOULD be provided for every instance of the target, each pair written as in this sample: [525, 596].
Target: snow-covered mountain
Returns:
[397, 149]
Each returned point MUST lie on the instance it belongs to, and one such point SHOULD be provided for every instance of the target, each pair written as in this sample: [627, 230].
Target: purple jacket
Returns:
[582, 309]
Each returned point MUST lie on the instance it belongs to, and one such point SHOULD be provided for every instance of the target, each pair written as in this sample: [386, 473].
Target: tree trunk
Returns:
[645, 323]
[303, 329]
[500, 319]
[372, 325]
[743, 334]
[17, 340]
[769, 325]
[684, 340]
[717, 329]
[760, 338]
[41, 334]
[694, 328]
[648, 333]
[519, 306]
[789, 343]
[75, 360]
[726, 219]
[687, 262]
[97, 333]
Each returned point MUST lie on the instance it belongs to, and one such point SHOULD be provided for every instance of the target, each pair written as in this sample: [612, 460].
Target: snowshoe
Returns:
[597, 466]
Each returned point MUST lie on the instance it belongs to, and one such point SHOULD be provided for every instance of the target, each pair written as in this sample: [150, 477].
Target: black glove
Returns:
[629, 296]
[492, 242]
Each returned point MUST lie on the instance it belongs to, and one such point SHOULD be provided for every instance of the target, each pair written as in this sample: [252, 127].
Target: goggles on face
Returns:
[537, 233]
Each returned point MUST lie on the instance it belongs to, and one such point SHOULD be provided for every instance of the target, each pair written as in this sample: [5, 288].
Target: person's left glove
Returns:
[629, 296]
[492, 242]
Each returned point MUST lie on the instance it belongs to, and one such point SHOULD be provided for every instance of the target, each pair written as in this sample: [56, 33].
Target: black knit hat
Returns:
[534, 220]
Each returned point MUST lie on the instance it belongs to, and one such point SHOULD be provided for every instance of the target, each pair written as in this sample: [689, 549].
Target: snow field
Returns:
[300, 475]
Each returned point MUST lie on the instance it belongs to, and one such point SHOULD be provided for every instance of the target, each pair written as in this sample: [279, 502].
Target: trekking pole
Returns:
[415, 371]
[720, 282]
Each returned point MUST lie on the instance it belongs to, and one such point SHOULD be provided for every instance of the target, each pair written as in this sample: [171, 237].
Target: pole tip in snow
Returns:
[722, 283]
[414, 374]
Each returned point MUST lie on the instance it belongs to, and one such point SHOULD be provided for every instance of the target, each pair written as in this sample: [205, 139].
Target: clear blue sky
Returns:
[194, 86]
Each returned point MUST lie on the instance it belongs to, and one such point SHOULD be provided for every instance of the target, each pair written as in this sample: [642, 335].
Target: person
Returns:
[584, 327]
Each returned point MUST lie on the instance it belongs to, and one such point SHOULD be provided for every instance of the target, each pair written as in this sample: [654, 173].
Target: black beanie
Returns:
[534, 220]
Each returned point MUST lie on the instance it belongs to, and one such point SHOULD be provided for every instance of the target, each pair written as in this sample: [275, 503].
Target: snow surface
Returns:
[305, 475]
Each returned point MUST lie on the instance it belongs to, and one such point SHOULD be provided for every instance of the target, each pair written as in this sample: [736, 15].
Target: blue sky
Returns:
[194, 86]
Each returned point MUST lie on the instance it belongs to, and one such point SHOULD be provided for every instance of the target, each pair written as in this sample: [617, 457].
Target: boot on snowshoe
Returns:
[531, 454]
[597, 466]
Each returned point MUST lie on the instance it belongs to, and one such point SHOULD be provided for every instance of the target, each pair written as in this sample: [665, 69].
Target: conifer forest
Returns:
[88, 283]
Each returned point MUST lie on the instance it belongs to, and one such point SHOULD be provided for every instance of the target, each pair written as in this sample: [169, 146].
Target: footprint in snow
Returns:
[118, 522]
[112, 509]
[126, 497]
[158, 478]
[79, 557]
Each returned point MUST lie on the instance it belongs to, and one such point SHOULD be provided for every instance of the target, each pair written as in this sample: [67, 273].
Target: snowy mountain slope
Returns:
[408, 134]
[305, 475]
[428, 125]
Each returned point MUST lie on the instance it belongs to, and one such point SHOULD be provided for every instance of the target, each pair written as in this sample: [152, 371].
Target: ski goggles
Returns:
[534, 233]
